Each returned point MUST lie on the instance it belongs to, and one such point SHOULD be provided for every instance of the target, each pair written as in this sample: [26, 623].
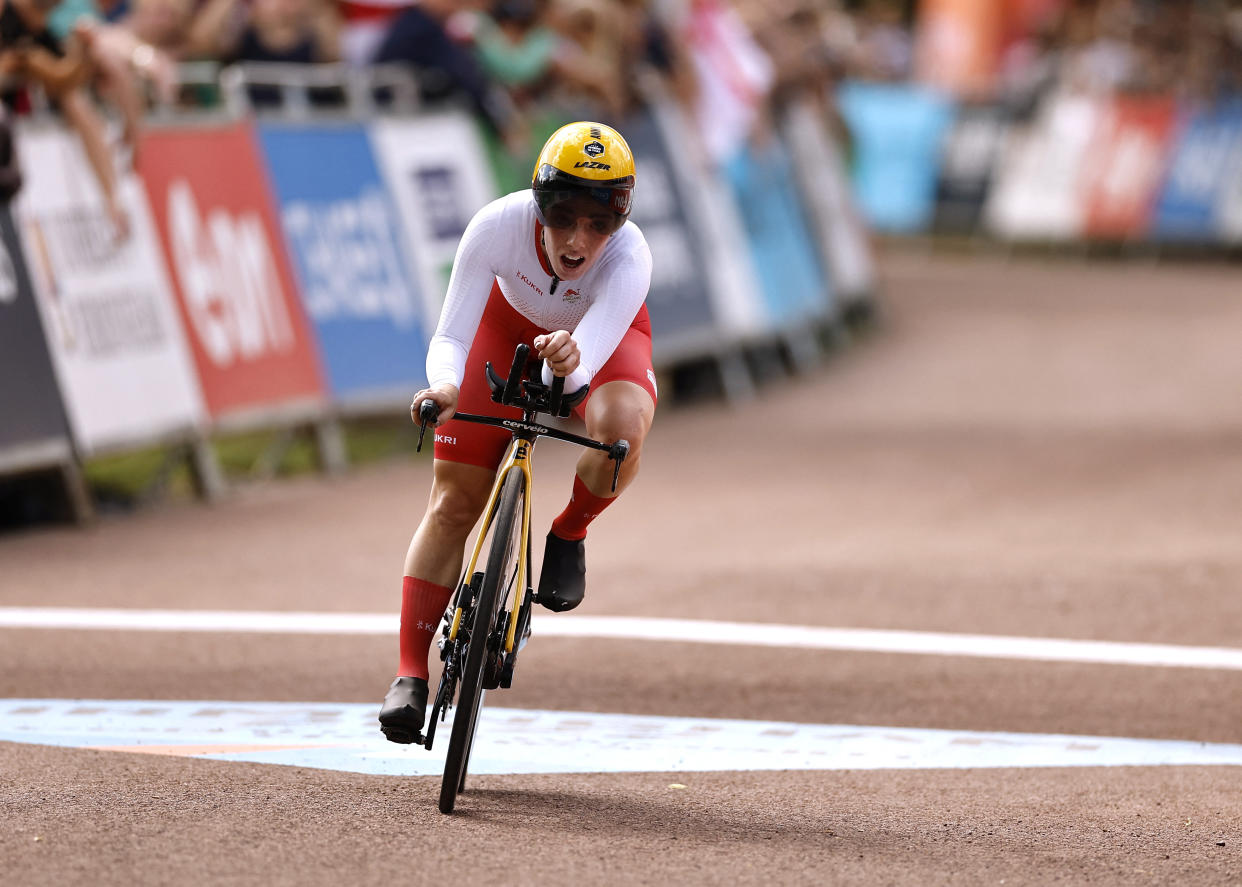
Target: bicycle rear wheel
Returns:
[506, 533]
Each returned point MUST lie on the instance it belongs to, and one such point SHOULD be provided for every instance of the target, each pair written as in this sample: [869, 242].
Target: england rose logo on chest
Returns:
[571, 296]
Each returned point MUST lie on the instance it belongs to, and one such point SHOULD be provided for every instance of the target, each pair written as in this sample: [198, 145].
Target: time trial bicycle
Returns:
[487, 622]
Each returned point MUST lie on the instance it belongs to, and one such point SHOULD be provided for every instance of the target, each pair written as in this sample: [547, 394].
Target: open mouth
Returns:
[571, 263]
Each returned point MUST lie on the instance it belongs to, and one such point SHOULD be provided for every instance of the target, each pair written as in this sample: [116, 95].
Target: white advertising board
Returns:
[438, 173]
[112, 328]
[1040, 188]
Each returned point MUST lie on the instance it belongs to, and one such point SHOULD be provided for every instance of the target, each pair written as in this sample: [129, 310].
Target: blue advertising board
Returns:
[795, 286]
[898, 134]
[1205, 154]
[344, 235]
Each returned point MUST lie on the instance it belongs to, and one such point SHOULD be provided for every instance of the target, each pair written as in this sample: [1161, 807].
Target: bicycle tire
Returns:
[506, 537]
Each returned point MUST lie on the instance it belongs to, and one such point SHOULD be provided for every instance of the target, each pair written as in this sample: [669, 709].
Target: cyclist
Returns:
[560, 268]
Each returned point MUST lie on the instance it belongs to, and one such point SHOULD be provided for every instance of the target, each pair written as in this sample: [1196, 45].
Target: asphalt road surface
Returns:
[1045, 451]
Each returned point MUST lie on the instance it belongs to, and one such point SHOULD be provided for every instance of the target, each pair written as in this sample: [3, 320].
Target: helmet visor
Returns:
[562, 208]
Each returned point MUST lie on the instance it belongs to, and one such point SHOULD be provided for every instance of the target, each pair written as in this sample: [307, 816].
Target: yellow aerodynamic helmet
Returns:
[588, 159]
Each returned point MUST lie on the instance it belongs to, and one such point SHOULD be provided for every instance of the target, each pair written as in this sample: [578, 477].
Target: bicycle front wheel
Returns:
[483, 636]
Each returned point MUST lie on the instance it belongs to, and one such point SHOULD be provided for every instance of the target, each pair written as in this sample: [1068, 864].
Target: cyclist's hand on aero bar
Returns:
[559, 351]
[445, 396]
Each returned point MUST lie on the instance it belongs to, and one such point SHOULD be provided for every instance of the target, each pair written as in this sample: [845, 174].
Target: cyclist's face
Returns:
[576, 232]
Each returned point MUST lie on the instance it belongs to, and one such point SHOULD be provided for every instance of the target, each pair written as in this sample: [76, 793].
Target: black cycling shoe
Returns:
[562, 580]
[405, 706]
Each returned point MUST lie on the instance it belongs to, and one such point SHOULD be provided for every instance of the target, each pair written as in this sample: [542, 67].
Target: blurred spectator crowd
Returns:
[1190, 49]
[506, 56]
[512, 59]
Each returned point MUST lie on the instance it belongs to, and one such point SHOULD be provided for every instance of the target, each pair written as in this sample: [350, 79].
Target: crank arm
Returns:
[444, 692]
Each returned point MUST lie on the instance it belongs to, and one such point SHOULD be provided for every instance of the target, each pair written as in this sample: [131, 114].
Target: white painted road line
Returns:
[925, 643]
[335, 736]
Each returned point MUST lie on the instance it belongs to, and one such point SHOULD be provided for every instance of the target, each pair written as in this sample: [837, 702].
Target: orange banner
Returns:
[958, 44]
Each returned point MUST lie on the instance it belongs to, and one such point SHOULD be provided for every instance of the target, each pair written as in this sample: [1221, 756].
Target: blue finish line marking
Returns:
[346, 737]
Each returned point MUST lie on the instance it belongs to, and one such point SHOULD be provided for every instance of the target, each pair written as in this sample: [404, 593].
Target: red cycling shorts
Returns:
[500, 331]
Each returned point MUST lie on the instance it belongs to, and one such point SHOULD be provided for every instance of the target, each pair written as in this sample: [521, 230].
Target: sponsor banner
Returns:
[1126, 164]
[898, 132]
[1206, 156]
[346, 240]
[1038, 190]
[437, 171]
[107, 309]
[679, 301]
[824, 189]
[971, 152]
[29, 397]
[793, 285]
[250, 339]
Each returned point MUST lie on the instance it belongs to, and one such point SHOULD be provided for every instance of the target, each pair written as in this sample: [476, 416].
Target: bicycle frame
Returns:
[532, 397]
[520, 455]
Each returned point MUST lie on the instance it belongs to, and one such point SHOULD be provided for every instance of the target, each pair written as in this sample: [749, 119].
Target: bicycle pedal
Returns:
[402, 737]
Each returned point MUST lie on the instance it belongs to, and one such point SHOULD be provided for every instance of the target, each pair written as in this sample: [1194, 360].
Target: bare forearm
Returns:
[56, 75]
[327, 25]
[208, 31]
[89, 126]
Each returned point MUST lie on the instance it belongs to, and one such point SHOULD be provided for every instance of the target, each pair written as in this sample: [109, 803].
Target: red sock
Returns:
[422, 606]
[584, 506]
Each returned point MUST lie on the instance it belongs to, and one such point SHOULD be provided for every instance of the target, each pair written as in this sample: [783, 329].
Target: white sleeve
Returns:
[610, 315]
[469, 287]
